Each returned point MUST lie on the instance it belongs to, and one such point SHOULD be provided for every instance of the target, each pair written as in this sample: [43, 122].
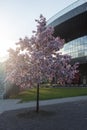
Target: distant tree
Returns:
[76, 79]
[2, 77]
[38, 57]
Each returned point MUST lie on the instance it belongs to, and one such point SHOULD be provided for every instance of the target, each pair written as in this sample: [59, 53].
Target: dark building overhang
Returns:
[72, 24]
[81, 60]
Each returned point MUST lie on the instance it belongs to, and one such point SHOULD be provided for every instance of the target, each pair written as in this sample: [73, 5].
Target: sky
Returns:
[17, 18]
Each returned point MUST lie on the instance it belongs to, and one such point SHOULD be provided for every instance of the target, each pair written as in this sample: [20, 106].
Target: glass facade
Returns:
[76, 48]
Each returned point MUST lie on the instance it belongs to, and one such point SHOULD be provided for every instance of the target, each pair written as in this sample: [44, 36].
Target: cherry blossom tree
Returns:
[37, 57]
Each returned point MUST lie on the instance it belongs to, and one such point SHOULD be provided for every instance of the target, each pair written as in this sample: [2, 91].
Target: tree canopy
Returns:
[38, 57]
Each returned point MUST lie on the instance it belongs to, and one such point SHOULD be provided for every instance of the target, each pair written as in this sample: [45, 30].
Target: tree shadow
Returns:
[32, 114]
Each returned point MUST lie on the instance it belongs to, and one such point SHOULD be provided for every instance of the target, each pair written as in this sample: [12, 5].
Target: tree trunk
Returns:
[37, 102]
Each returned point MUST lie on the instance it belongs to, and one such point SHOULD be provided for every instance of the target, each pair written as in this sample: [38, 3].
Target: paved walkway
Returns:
[13, 104]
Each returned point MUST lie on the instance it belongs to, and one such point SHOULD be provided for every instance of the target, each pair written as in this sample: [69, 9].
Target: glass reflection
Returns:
[76, 48]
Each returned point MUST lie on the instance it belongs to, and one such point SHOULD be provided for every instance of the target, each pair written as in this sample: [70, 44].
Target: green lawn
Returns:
[51, 93]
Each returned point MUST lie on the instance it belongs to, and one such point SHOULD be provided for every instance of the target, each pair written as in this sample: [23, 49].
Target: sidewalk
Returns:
[13, 104]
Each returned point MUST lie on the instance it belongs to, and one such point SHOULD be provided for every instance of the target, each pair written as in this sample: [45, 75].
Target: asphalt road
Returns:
[62, 116]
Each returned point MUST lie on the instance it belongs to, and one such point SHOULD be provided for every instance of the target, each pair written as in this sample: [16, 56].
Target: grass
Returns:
[50, 93]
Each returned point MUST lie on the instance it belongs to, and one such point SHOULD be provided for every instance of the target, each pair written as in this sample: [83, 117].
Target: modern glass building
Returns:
[71, 25]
